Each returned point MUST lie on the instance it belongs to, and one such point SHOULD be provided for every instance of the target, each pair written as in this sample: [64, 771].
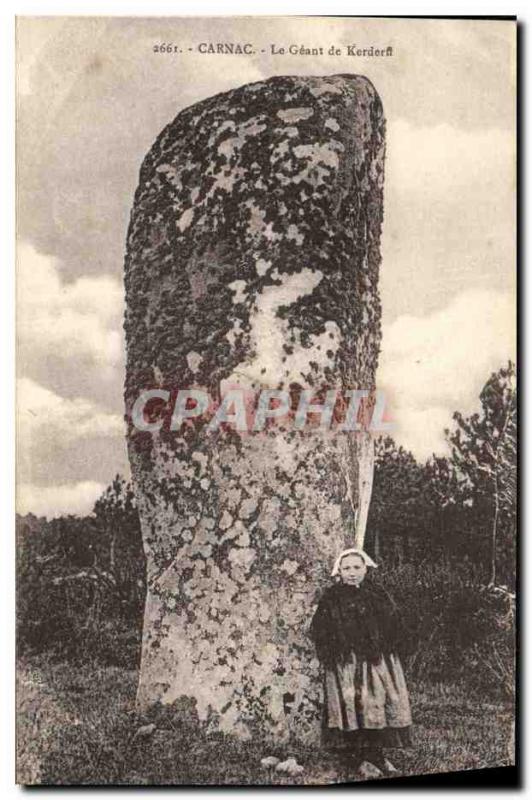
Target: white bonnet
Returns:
[356, 551]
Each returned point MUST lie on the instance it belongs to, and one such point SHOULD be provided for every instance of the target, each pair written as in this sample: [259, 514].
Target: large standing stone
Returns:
[252, 258]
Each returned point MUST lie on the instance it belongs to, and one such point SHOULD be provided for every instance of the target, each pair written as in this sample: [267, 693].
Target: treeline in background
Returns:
[444, 532]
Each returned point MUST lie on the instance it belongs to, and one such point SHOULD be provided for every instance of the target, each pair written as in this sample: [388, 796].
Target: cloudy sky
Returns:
[93, 96]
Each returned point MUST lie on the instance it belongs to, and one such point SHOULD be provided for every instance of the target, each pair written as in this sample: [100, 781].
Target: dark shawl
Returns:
[361, 620]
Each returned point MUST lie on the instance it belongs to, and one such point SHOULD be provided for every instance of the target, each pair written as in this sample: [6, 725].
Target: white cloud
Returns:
[420, 430]
[42, 414]
[449, 221]
[443, 159]
[79, 319]
[433, 365]
[53, 501]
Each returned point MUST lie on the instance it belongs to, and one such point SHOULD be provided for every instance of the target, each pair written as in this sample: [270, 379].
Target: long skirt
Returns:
[367, 705]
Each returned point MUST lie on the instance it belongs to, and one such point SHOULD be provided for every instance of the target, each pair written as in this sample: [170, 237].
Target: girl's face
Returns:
[352, 570]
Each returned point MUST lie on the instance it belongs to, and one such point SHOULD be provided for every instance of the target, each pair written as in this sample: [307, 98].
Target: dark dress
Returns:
[359, 636]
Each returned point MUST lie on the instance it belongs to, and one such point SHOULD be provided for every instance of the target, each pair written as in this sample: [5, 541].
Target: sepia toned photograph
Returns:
[266, 528]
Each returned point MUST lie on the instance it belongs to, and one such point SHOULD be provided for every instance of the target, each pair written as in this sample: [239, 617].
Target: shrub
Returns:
[459, 629]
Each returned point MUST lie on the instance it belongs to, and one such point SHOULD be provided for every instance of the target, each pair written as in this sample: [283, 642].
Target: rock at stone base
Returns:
[367, 771]
[289, 767]
[269, 762]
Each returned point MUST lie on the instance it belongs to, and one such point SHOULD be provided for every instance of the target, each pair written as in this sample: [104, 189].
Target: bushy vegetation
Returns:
[461, 631]
[81, 582]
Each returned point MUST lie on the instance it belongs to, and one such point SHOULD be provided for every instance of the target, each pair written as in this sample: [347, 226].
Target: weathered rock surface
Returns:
[252, 258]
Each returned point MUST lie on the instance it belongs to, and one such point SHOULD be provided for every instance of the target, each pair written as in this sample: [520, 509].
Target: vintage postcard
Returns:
[266, 399]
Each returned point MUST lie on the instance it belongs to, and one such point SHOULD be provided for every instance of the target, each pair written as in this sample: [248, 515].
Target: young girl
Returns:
[358, 635]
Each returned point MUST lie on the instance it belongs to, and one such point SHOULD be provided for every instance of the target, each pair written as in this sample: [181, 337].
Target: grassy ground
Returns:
[76, 726]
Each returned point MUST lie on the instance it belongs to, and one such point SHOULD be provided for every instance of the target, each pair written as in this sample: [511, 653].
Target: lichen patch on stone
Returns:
[238, 287]
[332, 124]
[185, 219]
[294, 114]
[269, 333]
[194, 360]
[326, 88]
[262, 266]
